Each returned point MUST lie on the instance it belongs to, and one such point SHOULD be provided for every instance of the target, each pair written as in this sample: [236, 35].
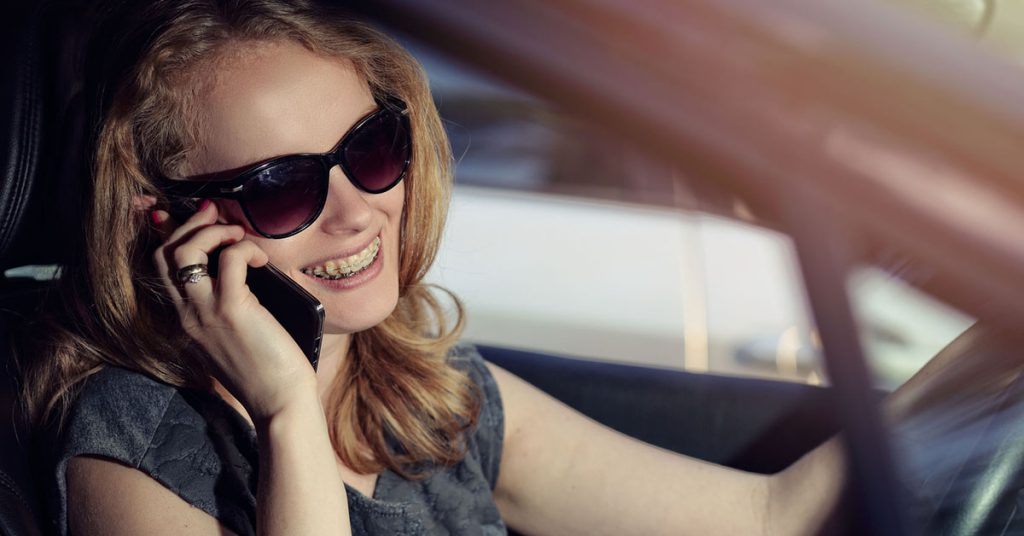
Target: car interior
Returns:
[750, 424]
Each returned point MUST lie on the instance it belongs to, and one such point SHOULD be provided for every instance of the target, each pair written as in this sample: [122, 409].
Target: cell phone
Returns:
[301, 314]
[298, 311]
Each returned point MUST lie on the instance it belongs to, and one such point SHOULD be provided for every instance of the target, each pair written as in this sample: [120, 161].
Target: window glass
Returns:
[901, 327]
[1005, 30]
[997, 24]
[563, 239]
[961, 15]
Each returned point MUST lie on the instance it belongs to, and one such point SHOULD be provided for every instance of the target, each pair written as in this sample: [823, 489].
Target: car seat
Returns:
[39, 159]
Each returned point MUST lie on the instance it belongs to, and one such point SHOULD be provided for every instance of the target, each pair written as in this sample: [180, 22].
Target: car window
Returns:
[563, 239]
[1005, 31]
[901, 327]
[996, 24]
[505, 138]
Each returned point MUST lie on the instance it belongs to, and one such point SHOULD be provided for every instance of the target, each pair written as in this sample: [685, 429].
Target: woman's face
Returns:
[280, 99]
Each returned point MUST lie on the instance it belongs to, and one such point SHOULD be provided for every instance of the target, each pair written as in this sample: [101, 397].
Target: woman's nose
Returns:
[346, 209]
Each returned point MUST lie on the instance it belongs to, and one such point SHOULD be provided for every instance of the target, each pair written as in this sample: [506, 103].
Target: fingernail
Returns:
[203, 205]
[155, 217]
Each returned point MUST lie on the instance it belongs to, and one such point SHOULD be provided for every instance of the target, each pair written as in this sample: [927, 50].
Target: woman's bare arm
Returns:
[106, 497]
[562, 473]
[300, 490]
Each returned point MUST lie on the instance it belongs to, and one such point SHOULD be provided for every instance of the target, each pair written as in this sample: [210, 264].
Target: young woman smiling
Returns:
[183, 393]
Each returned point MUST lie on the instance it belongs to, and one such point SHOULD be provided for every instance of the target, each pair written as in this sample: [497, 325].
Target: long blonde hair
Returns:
[396, 381]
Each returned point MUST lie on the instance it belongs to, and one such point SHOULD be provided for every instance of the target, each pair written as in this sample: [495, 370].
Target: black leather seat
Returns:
[21, 109]
[754, 425]
[39, 160]
[18, 496]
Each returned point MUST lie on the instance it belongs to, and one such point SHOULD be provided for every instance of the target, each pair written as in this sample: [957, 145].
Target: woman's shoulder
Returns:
[465, 356]
[111, 388]
[116, 414]
[142, 422]
[489, 434]
[182, 438]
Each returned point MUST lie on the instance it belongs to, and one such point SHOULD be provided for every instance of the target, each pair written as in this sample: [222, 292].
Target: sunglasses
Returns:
[284, 195]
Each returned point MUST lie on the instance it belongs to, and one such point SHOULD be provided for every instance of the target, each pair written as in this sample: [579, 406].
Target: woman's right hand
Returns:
[252, 354]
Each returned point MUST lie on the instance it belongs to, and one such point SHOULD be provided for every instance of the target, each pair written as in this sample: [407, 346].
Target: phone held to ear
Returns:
[301, 314]
[298, 311]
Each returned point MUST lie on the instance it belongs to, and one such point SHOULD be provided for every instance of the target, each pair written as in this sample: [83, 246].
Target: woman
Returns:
[177, 389]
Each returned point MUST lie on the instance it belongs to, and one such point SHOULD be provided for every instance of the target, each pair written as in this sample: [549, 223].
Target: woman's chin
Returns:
[346, 318]
[350, 310]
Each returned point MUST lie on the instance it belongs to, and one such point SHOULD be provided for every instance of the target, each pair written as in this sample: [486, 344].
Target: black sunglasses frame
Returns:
[233, 188]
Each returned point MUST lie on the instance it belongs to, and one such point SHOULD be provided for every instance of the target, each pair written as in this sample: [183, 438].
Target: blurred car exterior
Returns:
[546, 212]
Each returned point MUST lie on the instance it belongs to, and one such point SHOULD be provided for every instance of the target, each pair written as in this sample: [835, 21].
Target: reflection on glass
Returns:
[901, 327]
[973, 15]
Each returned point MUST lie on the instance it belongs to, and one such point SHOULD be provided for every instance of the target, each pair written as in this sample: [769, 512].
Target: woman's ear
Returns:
[143, 202]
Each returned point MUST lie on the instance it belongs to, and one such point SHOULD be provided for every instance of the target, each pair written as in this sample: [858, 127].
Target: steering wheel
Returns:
[963, 442]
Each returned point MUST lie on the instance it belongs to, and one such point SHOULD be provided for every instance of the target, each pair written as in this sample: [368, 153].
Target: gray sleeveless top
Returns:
[200, 448]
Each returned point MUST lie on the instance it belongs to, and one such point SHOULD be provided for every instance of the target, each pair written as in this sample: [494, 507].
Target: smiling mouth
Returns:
[348, 266]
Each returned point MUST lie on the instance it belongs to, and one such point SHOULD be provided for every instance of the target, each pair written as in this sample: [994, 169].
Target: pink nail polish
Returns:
[203, 205]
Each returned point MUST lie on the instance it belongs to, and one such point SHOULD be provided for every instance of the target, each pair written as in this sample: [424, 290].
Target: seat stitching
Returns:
[7, 482]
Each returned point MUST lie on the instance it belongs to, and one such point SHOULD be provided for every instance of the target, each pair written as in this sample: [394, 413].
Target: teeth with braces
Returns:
[347, 267]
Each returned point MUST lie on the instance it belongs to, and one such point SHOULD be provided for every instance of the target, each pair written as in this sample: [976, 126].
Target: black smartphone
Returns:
[301, 314]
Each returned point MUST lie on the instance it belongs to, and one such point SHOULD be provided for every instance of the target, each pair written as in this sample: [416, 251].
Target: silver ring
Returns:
[192, 273]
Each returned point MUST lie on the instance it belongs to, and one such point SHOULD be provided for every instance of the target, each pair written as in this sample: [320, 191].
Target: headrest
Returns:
[41, 129]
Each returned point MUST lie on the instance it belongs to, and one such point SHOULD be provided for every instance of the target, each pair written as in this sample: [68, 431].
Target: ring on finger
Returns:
[192, 273]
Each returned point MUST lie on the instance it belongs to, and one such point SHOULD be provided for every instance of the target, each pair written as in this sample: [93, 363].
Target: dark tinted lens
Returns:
[377, 152]
[285, 196]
